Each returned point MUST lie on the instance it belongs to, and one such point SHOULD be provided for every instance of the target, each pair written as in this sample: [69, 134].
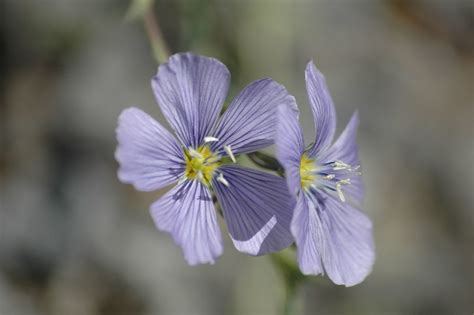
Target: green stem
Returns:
[266, 161]
[290, 300]
[292, 278]
[160, 49]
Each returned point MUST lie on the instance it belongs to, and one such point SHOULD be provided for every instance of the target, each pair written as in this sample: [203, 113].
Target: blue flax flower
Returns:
[190, 91]
[329, 230]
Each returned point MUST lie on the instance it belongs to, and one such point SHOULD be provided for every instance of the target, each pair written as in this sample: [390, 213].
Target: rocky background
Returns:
[74, 240]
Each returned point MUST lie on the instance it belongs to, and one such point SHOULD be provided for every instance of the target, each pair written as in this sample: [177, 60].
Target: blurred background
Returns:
[74, 240]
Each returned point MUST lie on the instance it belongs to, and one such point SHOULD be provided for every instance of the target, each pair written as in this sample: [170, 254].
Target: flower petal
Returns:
[191, 90]
[249, 122]
[257, 209]
[187, 213]
[148, 154]
[289, 145]
[345, 149]
[307, 230]
[322, 106]
[348, 254]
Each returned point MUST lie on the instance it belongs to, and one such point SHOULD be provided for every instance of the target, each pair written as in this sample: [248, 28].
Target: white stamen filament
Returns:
[340, 165]
[229, 152]
[210, 139]
[329, 176]
[339, 192]
[213, 159]
[345, 181]
[194, 153]
[221, 179]
[200, 176]
[182, 179]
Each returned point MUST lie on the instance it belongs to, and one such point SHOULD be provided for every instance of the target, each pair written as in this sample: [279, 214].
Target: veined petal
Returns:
[149, 156]
[345, 149]
[349, 252]
[322, 106]
[187, 213]
[289, 145]
[249, 122]
[257, 209]
[307, 229]
[191, 90]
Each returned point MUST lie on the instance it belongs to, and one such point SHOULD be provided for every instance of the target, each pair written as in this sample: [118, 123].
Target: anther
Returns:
[339, 165]
[329, 176]
[213, 159]
[221, 179]
[339, 192]
[182, 180]
[210, 139]
[345, 181]
[195, 153]
[229, 152]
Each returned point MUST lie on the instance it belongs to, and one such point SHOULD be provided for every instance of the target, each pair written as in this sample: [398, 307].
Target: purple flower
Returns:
[329, 230]
[257, 208]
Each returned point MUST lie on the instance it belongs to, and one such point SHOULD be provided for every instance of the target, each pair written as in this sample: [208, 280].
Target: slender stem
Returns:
[289, 308]
[266, 161]
[291, 277]
[160, 50]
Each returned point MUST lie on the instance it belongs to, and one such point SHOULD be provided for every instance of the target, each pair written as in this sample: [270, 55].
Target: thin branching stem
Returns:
[155, 36]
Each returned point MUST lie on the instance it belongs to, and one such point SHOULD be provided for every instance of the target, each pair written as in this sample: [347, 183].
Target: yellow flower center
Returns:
[201, 164]
[307, 171]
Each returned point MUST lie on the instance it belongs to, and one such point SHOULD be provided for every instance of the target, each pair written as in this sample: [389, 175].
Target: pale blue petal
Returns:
[148, 154]
[345, 148]
[322, 106]
[249, 122]
[187, 213]
[349, 253]
[191, 90]
[257, 209]
[308, 232]
[289, 146]
[335, 233]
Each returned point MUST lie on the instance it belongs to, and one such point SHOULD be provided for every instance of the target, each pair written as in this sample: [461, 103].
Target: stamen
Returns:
[339, 192]
[210, 139]
[194, 153]
[345, 181]
[229, 152]
[323, 177]
[213, 159]
[340, 165]
[200, 176]
[182, 179]
[221, 179]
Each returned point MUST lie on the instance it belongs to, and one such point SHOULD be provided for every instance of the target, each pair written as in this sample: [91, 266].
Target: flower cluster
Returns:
[315, 205]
